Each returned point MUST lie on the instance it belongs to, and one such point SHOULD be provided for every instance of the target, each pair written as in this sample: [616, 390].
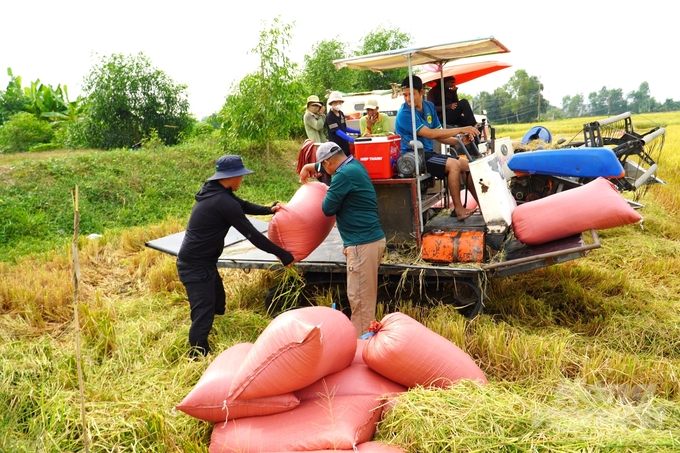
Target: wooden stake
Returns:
[76, 282]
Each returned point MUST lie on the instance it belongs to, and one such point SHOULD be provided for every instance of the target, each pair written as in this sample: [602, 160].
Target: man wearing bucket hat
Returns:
[374, 123]
[336, 123]
[216, 210]
[352, 199]
[315, 119]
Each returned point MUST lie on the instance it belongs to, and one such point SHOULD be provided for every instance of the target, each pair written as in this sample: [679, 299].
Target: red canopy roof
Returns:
[464, 72]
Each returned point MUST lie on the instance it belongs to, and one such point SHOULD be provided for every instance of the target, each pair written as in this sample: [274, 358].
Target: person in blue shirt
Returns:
[336, 123]
[428, 129]
[352, 199]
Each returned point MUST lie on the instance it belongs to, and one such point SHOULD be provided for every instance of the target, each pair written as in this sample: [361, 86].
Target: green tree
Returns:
[380, 40]
[669, 105]
[320, 74]
[640, 101]
[493, 104]
[127, 98]
[268, 104]
[24, 131]
[617, 102]
[599, 102]
[573, 105]
[13, 99]
[526, 101]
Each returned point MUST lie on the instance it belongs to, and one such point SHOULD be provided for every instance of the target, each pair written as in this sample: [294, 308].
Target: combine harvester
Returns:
[430, 255]
[610, 148]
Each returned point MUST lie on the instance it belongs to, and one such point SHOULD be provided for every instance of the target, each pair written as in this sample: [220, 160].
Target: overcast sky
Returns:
[572, 47]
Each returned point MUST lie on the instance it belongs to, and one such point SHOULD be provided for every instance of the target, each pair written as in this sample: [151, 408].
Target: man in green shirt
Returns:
[374, 123]
[352, 199]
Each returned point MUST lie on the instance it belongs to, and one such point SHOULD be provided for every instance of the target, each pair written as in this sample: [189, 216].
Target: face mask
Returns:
[336, 107]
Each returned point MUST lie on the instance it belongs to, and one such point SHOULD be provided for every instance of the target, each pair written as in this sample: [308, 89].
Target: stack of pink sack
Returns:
[307, 384]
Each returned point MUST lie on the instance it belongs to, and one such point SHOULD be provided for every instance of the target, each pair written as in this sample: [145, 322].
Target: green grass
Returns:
[581, 357]
[119, 189]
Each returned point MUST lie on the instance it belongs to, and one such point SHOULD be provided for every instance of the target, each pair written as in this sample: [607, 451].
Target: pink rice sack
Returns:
[339, 423]
[297, 348]
[301, 226]
[206, 400]
[405, 351]
[356, 379]
[596, 205]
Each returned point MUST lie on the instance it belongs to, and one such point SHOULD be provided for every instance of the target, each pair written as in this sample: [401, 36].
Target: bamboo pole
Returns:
[76, 282]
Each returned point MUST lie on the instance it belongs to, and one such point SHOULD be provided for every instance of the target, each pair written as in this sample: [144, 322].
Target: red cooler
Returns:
[378, 154]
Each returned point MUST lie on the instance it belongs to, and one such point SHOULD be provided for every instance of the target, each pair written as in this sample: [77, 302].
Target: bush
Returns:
[24, 131]
[202, 129]
[44, 147]
[71, 135]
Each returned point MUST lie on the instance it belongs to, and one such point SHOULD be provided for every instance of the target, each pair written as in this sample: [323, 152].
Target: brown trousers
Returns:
[362, 282]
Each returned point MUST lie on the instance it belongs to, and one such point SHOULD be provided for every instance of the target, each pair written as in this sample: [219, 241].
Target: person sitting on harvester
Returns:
[374, 123]
[428, 129]
[458, 111]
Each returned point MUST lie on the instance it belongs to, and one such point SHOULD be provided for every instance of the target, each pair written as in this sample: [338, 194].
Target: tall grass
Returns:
[582, 356]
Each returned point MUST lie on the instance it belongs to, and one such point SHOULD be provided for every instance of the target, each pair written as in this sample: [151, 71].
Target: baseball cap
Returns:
[327, 150]
[229, 166]
[371, 104]
[417, 83]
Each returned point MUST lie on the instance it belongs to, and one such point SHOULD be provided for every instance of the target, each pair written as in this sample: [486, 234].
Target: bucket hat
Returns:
[313, 99]
[335, 96]
[229, 167]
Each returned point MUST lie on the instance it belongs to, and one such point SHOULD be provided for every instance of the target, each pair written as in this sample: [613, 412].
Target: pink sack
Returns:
[356, 379]
[296, 349]
[407, 352]
[359, 355]
[301, 226]
[340, 423]
[206, 400]
[596, 205]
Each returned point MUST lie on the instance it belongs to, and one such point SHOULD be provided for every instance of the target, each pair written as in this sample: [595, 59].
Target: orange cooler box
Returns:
[446, 240]
[378, 154]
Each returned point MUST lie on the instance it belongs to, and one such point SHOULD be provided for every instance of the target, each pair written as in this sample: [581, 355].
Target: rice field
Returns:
[581, 357]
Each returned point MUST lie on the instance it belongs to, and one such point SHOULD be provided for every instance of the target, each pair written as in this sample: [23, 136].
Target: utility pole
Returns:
[538, 113]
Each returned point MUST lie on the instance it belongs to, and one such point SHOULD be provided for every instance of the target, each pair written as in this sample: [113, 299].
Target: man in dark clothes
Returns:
[216, 210]
[458, 111]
